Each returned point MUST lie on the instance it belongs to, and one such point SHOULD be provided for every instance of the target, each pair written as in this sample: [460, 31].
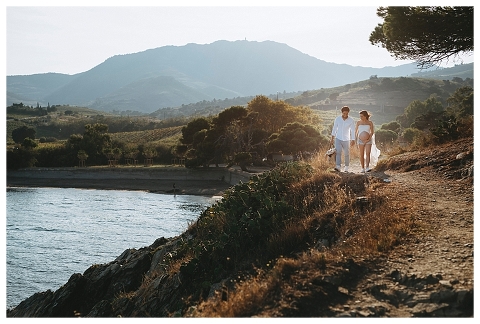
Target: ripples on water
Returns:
[53, 233]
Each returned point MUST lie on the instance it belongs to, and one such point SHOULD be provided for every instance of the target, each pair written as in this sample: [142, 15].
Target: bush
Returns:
[243, 159]
[393, 126]
[55, 156]
[47, 139]
[19, 157]
[410, 134]
[239, 226]
[383, 136]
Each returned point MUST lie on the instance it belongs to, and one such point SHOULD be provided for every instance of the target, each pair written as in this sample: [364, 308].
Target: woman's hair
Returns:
[365, 113]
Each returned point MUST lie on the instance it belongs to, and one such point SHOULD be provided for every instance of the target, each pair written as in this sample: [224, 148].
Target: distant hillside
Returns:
[31, 89]
[219, 70]
[463, 71]
[383, 96]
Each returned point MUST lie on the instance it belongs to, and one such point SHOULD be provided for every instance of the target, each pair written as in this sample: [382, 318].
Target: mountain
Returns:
[170, 76]
[31, 89]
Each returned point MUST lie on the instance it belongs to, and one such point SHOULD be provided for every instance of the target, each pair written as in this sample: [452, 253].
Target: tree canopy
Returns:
[23, 132]
[245, 131]
[427, 35]
[295, 137]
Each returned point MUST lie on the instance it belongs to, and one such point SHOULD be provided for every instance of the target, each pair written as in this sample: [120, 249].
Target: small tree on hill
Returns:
[23, 132]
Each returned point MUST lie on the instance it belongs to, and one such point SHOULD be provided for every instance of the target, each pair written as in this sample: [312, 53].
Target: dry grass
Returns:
[366, 231]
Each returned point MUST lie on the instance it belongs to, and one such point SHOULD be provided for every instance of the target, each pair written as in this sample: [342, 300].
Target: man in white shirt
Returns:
[343, 132]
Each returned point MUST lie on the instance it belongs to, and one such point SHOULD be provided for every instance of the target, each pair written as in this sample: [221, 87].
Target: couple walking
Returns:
[345, 132]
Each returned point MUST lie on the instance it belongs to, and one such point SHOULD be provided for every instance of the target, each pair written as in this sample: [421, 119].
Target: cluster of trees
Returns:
[429, 118]
[21, 109]
[243, 135]
[239, 133]
[263, 126]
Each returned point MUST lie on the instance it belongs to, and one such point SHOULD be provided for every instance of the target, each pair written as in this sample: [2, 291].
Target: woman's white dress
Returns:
[375, 152]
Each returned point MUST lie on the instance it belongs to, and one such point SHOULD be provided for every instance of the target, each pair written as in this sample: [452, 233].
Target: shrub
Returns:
[383, 136]
[409, 134]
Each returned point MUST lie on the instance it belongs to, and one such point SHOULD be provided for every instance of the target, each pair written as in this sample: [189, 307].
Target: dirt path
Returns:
[432, 273]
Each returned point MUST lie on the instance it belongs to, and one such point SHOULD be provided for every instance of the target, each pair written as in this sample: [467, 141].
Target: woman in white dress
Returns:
[364, 134]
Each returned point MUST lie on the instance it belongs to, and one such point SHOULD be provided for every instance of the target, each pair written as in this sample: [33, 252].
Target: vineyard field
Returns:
[147, 136]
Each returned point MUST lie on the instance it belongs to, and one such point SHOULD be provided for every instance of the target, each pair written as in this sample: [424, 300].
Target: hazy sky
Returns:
[73, 39]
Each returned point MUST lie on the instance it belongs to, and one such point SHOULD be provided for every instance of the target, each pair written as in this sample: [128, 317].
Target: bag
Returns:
[331, 151]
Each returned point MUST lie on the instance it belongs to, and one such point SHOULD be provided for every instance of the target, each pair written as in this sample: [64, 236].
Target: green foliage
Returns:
[410, 134]
[55, 155]
[47, 139]
[446, 128]
[94, 141]
[237, 129]
[29, 143]
[230, 115]
[19, 134]
[241, 223]
[393, 126]
[22, 110]
[418, 108]
[460, 103]
[19, 157]
[296, 137]
[384, 136]
[243, 159]
[273, 115]
[428, 35]
[193, 127]
[427, 120]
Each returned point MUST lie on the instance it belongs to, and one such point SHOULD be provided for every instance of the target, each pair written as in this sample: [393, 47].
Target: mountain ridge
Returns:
[218, 70]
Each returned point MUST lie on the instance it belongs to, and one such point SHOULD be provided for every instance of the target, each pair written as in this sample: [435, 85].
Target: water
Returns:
[53, 233]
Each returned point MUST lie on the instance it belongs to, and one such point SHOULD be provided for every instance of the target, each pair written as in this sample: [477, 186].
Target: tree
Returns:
[243, 159]
[427, 35]
[273, 115]
[229, 115]
[21, 133]
[384, 136]
[460, 103]
[294, 138]
[393, 126]
[193, 127]
[95, 140]
[29, 143]
[410, 134]
[418, 108]
[82, 157]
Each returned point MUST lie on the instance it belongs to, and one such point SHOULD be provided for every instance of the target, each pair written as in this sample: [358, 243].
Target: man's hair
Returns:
[345, 108]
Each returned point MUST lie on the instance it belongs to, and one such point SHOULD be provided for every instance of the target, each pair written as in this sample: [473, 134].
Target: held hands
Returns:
[352, 142]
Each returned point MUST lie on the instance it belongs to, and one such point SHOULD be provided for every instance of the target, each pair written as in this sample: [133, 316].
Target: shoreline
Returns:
[163, 180]
[203, 188]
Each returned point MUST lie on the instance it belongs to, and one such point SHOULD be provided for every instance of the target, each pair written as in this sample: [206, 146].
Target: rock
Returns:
[428, 309]
[92, 293]
[443, 296]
